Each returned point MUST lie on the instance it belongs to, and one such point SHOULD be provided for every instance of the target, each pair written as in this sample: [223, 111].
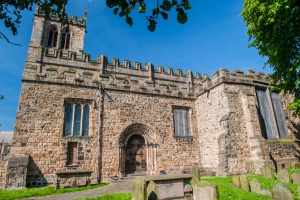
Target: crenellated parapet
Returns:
[68, 67]
[73, 19]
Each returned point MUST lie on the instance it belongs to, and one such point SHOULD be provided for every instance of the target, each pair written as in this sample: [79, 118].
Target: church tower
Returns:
[50, 33]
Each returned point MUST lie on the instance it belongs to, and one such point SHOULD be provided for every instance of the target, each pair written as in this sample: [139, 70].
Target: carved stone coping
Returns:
[73, 172]
[168, 177]
[170, 186]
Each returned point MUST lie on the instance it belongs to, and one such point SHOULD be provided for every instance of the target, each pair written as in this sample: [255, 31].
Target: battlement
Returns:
[127, 68]
[73, 19]
[68, 67]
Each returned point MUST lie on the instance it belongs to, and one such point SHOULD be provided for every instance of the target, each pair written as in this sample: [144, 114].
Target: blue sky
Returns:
[214, 37]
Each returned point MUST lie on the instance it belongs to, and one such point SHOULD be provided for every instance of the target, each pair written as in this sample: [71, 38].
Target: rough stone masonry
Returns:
[82, 121]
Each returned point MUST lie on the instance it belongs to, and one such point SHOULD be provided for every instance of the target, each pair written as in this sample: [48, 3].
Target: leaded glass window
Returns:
[266, 122]
[181, 122]
[76, 119]
[65, 41]
[279, 115]
[52, 38]
[85, 124]
[68, 119]
[266, 116]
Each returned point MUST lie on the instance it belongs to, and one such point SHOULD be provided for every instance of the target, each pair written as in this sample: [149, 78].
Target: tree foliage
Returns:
[10, 11]
[274, 30]
[123, 8]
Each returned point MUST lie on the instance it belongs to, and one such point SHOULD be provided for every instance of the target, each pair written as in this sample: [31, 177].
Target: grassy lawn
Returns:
[42, 191]
[226, 190]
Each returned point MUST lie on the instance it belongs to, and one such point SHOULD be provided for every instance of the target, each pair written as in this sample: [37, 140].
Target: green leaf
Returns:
[116, 11]
[167, 5]
[152, 25]
[142, 9]
[129, 20]
[181, 17]
[164, 15]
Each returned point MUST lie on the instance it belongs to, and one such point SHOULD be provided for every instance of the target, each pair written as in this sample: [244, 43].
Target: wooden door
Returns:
[136, 155]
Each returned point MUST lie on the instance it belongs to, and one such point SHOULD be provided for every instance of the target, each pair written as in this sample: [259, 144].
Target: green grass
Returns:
[227, 191]
[121, 196]
[42, 191]
[270, 184]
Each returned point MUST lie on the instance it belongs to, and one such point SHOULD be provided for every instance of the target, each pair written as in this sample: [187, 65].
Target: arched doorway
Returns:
[135, 155]
[137, 150]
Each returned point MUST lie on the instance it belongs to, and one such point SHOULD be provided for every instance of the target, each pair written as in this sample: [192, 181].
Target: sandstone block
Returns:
[152, 191]
[284, 175]
[244, 182]
[255, 186]
[236, 181]
[267, 172]
[139, 189]
[195, 173]
[295, 165]
[205, 190]
[266, 192]
[296, 177]
[282, 192]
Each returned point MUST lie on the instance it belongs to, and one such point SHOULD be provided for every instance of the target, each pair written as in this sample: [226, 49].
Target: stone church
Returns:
[83, 121]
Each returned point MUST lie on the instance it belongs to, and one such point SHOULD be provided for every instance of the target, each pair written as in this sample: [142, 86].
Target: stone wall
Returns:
[39, 130]
[283, 153]
[122, 109]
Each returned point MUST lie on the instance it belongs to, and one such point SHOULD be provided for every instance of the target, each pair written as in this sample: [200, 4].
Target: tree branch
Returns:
[2, 36]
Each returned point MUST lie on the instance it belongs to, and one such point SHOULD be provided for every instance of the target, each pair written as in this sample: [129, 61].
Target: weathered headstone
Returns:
[266, 192]
[267, 172]
[282, 192]
[205, 190]
[195, 173]
[188, 192]
[298, 189]
[139, 190]
[244, 182]
[284, 175]
[255, 186]
[16, 171]
[152, 191]
[296, 177]
[236, 181]
[295, 165]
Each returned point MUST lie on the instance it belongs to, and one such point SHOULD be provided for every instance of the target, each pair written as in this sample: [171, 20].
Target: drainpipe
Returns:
[101, 108]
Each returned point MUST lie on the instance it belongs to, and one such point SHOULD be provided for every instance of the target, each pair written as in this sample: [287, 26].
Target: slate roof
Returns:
[6, 137]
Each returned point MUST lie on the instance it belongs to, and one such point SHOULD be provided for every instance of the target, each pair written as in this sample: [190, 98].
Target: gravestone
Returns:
[16, 172]
[298, 189]
[195, 173]
[296, 178]
[284, 175]
[205, 190]
[139, 190]
[267, 172]
[152, 191]
[236, 181]
[244, 182]
[295, 165]
[282, 192]
[255, 186]
[266, 192]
